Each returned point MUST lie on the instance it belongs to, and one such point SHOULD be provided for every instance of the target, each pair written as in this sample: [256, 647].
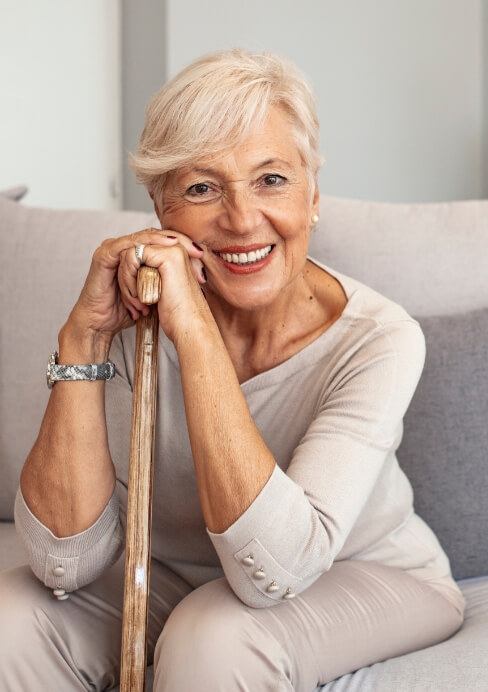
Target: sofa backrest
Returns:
[45, 256]
[431, 258]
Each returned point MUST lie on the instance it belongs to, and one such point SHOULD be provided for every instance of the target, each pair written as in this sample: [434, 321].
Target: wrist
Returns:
[80, 346]
[198, 328]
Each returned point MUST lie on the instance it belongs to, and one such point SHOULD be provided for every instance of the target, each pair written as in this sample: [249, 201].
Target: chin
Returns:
[249, 299]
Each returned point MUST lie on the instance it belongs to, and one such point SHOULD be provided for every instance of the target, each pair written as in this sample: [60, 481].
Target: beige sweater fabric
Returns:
[332, 417]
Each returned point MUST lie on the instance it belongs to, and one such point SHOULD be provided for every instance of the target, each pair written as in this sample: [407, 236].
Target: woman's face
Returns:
[250, 209]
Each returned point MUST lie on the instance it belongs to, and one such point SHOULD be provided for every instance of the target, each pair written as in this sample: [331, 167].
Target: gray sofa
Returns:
[431, 258]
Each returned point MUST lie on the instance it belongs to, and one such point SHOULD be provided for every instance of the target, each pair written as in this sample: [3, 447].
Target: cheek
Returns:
[296, 228]
[297, 244]
[171, 206]
[181, 216]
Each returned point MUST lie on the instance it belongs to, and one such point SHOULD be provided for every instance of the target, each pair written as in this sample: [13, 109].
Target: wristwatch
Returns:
[66, 373]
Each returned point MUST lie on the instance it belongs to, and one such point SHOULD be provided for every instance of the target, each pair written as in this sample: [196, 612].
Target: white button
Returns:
[289, 594]
[248, 560]
[273, 586]
[59, 592]
[260, 573]
[58, 571]
[63, 597]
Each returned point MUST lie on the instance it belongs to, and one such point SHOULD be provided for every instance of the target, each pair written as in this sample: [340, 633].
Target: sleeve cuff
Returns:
[69, 563]
[257, 556]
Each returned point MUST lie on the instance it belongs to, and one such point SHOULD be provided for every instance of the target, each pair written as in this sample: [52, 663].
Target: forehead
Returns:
[272, 142]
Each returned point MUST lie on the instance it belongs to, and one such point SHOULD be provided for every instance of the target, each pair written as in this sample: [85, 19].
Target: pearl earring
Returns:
[315, 219]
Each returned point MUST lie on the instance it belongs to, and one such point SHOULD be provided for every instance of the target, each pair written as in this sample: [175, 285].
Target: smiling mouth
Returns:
[244, 258]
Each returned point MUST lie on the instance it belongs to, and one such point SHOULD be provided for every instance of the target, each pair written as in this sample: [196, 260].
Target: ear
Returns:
[316, 199]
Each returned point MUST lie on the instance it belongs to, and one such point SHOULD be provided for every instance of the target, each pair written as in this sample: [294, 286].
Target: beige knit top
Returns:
[332, 417]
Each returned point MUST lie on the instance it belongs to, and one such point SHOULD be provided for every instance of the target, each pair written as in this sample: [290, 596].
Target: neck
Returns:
[259, 339]
[255, 322]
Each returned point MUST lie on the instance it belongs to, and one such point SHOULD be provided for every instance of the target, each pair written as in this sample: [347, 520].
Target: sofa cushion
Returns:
[430, 258]
[459, 663]
[45, 257]
[445, 447]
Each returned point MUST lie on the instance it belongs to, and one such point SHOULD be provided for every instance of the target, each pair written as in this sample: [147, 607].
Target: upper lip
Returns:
[236, 249]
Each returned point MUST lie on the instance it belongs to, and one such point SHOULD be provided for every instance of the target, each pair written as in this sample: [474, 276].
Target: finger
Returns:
[130, 262]
[198, 270]
[138, 253]
[127, 279]
[173, 261]
[170, 237]
[154, 236]
[190, 245]
[112, 248]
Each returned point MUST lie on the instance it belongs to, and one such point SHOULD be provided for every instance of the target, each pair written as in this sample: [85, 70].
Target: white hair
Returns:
[214, 103]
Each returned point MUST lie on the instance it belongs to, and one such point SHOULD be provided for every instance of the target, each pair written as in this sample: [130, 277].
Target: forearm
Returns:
[68, 476]
[232, 462]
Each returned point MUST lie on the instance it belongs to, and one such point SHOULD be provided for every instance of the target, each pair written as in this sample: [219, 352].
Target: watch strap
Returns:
[104, 371]
[70, 373]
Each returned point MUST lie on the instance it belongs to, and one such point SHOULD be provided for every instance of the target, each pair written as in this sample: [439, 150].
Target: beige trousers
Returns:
[354, 615]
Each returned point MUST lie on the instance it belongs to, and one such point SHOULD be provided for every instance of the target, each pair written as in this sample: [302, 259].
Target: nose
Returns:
[241, 213]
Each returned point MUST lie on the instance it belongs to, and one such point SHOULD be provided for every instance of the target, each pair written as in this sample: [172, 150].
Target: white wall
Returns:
[399, 84]
[60, 101]
[402, 89]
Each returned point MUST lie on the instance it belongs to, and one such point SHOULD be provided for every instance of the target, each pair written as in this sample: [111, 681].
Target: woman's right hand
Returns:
[101, 310]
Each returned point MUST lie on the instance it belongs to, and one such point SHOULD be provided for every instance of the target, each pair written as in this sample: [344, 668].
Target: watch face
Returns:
[52, 361]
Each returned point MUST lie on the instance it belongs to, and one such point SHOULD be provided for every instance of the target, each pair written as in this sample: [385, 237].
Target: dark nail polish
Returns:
[204, 274]
[198, 247]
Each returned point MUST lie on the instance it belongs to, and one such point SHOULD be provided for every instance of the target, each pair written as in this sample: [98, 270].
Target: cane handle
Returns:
[148, 285]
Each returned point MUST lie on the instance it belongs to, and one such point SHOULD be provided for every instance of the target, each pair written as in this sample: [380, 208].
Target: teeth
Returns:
[246, 257]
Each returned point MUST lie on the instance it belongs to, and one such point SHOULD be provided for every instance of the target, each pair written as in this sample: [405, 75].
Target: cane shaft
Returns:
[139, 500]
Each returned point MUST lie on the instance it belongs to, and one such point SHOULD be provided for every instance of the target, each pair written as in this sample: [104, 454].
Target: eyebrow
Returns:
[263, 164]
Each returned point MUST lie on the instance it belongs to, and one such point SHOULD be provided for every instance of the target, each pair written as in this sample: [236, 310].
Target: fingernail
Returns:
[198, 247]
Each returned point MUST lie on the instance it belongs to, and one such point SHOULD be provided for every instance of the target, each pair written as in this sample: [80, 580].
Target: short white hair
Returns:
[214, 103]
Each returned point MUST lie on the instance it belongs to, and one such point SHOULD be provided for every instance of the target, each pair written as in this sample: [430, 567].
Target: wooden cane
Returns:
[139, 499]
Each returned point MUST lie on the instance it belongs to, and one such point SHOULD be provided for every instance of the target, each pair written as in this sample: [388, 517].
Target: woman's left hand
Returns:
[181, 270]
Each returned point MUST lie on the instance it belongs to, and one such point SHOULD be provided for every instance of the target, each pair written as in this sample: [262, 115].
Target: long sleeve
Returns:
[81, 558]
[70, 563]
[302, 519]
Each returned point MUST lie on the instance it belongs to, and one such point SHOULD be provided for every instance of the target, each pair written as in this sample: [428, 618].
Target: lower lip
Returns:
[246, 268]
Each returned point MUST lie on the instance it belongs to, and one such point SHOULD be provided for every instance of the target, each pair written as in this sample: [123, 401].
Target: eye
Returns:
[273, 180]
[198, 190]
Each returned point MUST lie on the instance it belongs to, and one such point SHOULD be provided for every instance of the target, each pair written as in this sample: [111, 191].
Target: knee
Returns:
[20, 596]
[199, 626]
[24, 617]
[20, 593]
[51, 644]
[212, 640]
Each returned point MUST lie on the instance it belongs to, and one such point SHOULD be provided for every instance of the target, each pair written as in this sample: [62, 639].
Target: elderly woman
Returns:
[286, 551]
